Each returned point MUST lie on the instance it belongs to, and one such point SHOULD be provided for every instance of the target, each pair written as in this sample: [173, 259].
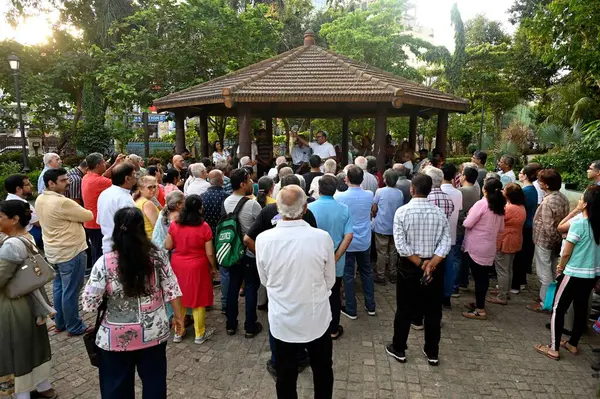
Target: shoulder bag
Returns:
[31, 275]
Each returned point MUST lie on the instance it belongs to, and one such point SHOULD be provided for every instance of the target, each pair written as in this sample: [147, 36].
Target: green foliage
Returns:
[454, 73]
[164, 155]
[552, 134]
[458, 160]
[571, 162]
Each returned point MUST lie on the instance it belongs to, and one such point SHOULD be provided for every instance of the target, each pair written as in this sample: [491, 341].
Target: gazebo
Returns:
[309, 81]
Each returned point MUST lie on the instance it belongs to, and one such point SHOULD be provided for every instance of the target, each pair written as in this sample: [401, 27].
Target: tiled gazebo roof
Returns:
[311, 74]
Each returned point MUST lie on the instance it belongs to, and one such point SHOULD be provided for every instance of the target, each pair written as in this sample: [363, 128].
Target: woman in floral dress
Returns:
[137, 280]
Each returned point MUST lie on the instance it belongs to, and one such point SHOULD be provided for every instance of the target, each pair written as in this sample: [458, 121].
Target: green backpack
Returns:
[229, 241]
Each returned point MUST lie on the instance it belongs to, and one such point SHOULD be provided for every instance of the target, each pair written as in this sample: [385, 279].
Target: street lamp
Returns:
[15, 63]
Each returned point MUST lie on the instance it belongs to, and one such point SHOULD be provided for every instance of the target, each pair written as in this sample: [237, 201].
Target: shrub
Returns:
[458, 160]
[13, 168]
[164, 155]
[571, 162]
[15, 156]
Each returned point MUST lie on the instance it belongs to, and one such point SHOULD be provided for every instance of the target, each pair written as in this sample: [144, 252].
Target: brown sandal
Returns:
[545, 350]
[572, 349]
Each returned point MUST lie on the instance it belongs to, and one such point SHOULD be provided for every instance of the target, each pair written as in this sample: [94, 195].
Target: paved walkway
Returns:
[493, 358]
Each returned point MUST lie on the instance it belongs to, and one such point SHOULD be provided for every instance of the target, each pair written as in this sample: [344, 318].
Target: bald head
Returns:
[291, 202]
[400, 169]
[215, 178]
[178, 162]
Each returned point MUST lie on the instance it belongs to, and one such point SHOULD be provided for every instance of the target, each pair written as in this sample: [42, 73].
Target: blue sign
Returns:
[152, 118]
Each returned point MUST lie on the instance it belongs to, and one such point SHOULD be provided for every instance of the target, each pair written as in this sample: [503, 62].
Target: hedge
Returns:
[571, 162]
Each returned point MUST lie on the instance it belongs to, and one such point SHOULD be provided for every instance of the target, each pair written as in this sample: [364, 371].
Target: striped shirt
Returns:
[554, 208]
[74, 190]
[442, 200]
[422, 229]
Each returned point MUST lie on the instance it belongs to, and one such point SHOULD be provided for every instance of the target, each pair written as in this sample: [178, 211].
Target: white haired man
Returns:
[330, 167]
[273, 171]
[300, 313]
[197, 183]
[51, 161]
[369, 181]
[138, 164]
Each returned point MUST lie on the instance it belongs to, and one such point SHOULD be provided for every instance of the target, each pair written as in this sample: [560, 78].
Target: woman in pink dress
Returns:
[482, 226]
[194, 263]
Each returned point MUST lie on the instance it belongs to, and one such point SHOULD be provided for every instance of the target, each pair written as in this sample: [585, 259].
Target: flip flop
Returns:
[339, 334]
[545, 350]
[572, 349]
[537, 308]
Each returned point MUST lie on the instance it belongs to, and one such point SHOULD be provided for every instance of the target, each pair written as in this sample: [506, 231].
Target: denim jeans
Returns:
[461, 268]
[238, 273]
[449, 271]
[365, 270]
[224, 272]
[67, 284]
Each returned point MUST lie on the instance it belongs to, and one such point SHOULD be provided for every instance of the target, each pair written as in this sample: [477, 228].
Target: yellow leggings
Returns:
[199, 315]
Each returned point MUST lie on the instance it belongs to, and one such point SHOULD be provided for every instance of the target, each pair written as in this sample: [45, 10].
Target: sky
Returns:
[434, 14]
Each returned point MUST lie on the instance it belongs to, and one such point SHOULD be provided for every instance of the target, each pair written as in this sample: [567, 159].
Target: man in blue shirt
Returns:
[334, 218]
[51, 161]
[359, 203]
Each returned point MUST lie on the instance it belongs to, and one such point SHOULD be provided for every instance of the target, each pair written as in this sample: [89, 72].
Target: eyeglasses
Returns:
[151, 187]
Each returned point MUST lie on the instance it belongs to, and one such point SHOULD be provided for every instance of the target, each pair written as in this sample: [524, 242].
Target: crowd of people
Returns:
[152, 243]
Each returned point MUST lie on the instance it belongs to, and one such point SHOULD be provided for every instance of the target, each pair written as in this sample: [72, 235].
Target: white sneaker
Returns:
[523, 287]
[371, 313]
[177, 338]
[208, 334]
[513, 291]
[417, 327]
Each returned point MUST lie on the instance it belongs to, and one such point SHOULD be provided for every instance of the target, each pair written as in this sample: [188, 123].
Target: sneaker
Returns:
[271, 369]
[513, 291]
[371, 312]
[208, 334]
[456, 293]
[392, 280]
[257, 329]
[433, 361]
[417, 327]
[263, 307]
[177, 338]
[464, 288]
[398, 355]
[348, 315]
[523, 287]
[216, 283]
[231, 331]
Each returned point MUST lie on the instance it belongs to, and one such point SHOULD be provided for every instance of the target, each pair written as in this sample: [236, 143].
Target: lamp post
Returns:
[14, 63]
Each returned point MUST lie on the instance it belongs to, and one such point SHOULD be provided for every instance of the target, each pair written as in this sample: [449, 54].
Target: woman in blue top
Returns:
[580, 266]
[524, 258]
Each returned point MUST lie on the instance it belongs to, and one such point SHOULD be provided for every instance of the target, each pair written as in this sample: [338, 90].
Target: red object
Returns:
[152, 108]
[379, 177]
[92, 186]
[161, 195]
[191, 265]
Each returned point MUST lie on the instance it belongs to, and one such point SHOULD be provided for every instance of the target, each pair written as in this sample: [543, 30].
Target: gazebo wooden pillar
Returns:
[269, 129]
[204, 134]
[244, 130]
[380, 133]
[412, 132]
[441, 139]
[345, 137]
[179, 132]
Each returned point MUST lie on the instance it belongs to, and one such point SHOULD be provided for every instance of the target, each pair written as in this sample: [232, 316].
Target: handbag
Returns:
[31, 275]
[89, 338]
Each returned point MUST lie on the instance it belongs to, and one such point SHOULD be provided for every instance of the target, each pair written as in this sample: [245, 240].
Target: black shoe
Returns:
[216, 283]
[596, 366]
[596, 350]
[392, 280]
[564, 331]
[263, 307]
[231, 331]
[257, 329]
[447, 304]
[348, 315]
[223, 311]
[271, 369]
[398, 355]
[433, 361]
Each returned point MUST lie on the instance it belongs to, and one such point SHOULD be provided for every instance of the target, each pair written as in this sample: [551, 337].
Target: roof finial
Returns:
[309, 37]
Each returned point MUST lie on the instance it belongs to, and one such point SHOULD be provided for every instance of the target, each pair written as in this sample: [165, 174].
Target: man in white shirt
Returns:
[18, 188]
[321, 148]
[506, 173]
[112, 199]
[197, 183]
[299, 310]
[449, 171]
[329, 168]
[273, 171]
[369, 181]
[300, 154]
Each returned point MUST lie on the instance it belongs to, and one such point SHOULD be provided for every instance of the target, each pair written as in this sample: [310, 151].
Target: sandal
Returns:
[474, 314]
[340, 332]
[470, 305]
[545, 350]
[537, 308]
[496, 300]
[572, 349]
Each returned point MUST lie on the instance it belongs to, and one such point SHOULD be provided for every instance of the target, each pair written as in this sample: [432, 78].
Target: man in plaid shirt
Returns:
[422, 238]
[437, 196]
[553, 209]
